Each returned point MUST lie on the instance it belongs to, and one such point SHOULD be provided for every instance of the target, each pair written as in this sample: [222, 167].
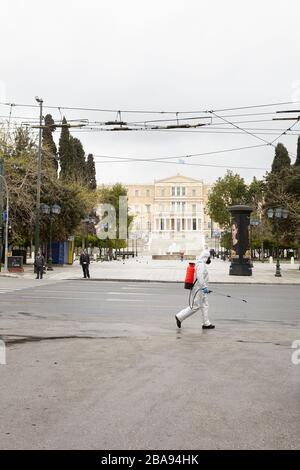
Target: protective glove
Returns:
[205, 290]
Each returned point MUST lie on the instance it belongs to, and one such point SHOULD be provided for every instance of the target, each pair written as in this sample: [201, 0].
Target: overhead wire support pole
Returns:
[38, 189]
[6, 224]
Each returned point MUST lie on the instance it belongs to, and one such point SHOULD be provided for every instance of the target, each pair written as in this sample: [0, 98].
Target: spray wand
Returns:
[216, 293]
[227, 295]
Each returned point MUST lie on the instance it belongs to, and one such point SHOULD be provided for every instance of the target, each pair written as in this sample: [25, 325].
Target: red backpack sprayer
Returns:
[189, 276]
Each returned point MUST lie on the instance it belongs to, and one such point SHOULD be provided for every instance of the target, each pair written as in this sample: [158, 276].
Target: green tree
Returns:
[23, 142]
[75, 202]
[111, 195]
[72, 158]
[297, 162]
[281, 160]
[21, 175]
[49, 146]
[255, 194]
[66, 153]
[78, 170]
[284, 191]
[91, 172]
[227, 191]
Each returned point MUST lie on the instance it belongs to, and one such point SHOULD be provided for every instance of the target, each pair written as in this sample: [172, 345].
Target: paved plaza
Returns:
[143, 268]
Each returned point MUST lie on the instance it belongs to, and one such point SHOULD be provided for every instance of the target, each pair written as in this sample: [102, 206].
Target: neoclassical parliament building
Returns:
[169, 215]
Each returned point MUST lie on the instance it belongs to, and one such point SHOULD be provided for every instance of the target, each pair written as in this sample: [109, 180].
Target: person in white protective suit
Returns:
[199, 293]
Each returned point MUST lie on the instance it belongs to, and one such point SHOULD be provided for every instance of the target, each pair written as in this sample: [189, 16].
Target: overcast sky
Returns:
[159, 55]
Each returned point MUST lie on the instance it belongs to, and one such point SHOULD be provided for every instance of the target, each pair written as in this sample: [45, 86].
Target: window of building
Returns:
[178, 191]
[189, 224]
[172, 224]
[194, 224]
[183, 206]
[148, 207]
[157, 224]
[167, 224]
[136, 193]
[178, 225]
[173, 190]
[199, 224]
[148, 192]
[183, 224]
[194, 192]
[183, 191]
[162, 224]
[173, 205]
[194, 208]
[178, 206]
[162, 192]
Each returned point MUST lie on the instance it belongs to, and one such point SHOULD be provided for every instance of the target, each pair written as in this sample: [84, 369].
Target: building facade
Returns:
[169, 215]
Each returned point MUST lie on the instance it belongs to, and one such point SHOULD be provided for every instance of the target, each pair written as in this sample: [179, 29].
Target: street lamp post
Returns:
[50, 210]
[6, 224]
[277, 214]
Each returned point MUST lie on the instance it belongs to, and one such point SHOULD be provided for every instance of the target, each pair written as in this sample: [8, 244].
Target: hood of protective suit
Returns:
[204, 256]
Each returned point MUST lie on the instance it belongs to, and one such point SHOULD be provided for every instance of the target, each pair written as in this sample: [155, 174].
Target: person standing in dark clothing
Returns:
[85, 264]
[39, 264]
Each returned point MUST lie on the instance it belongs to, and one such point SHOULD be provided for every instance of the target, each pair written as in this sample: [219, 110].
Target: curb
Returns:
[15, 276]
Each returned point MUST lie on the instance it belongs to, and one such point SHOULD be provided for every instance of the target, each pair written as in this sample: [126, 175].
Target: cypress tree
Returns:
[65, 153]
[281, 160]
[297, 162]
[48, 142]
[78, 169]
[91, 172]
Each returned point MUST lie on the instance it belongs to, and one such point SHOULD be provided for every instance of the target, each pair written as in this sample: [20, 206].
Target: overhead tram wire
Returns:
[96, 125]
[135, 111]
[251, 133]
[93, 126]
[32, 118]
[183, 131]
[117, 159]
[194, 164]
[177, 113]
[240, 128]
[285, 132]
[203, 154]
[188, 118]
[256, 106]
[178, 119]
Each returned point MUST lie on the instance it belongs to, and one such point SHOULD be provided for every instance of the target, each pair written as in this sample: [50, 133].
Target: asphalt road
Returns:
[101, 365]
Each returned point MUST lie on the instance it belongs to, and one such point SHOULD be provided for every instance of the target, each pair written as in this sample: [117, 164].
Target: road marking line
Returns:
[134, 287]
[123, 300]
[68, 291]
[129, 293]
[22, 298]
[44, 297]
